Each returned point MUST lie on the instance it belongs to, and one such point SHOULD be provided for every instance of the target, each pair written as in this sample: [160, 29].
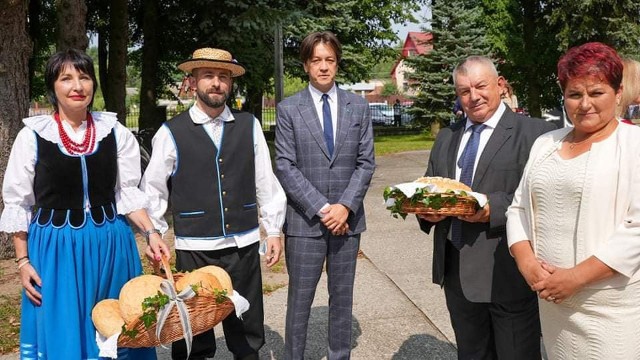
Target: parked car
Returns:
[381, 114]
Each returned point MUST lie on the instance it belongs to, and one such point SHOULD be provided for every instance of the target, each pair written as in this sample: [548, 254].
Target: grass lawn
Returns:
[10, 320]
[390, 144]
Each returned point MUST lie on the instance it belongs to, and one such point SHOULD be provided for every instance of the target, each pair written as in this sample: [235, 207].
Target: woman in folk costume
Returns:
[70, 178]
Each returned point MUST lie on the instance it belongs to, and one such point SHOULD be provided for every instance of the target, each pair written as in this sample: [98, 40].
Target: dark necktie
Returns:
[328, 124]
[466, 162]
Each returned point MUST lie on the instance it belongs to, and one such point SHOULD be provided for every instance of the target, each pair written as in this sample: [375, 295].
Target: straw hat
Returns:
[212, 58]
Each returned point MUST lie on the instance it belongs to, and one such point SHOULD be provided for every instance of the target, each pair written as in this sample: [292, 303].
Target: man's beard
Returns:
[212, 103]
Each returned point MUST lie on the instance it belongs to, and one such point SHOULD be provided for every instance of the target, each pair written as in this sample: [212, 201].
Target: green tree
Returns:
[524, 43]
[293, 85]
[242, 27]
[148, 59]
[389, 89]
[42, 24]
[528, 37]
[614, 22]
[246, 29]
[362, 26]
[382, 69]
[114, 84]
[110, 22]
[458, 33]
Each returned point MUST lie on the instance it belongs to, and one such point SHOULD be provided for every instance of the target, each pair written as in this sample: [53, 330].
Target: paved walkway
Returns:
[398, 313]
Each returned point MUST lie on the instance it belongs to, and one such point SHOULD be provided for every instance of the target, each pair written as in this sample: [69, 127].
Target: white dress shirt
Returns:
[270, 196]
[316, 96]
[484, 137]
[17, 189]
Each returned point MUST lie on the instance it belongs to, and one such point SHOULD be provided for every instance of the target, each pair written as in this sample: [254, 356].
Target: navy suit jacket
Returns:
[310, 177]
[488, 273]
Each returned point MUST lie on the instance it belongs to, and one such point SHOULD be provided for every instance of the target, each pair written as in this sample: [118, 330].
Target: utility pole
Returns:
[279, 64]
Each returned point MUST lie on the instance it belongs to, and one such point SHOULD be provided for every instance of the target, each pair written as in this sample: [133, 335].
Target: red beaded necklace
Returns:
[73, 147]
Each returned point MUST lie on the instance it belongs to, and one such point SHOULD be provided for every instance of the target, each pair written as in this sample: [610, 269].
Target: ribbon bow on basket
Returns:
[183, 316]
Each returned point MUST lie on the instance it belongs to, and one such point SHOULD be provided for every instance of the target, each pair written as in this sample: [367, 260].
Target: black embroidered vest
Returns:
[72, 185]
[213, 191]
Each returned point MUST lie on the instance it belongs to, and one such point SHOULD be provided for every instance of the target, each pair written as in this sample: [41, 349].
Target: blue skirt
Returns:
[78, 267]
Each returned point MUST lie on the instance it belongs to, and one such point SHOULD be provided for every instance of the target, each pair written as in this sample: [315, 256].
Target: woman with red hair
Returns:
[574, 224]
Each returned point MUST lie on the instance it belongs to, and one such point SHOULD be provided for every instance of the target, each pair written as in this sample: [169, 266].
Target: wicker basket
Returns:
[204, 314]
[465, 205]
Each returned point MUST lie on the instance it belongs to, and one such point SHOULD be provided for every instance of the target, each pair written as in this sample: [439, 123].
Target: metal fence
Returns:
[268, 119]
[382, 114]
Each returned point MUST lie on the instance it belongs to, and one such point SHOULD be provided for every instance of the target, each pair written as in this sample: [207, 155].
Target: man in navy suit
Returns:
[324, 161]
[493, 310]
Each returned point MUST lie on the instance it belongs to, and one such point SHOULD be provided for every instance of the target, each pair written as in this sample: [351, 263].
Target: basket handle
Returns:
[163, 264]
[167, 270]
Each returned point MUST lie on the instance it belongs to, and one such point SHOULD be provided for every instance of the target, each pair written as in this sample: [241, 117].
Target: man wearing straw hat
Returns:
[213, 165]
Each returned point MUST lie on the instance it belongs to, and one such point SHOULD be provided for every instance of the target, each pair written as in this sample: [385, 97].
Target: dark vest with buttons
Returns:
[213, 191]
[58, 182]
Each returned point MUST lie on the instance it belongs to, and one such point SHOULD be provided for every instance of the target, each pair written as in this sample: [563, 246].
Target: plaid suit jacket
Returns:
[309, 176]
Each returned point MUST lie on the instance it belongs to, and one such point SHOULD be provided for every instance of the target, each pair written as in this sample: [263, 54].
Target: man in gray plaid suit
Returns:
[324, 161]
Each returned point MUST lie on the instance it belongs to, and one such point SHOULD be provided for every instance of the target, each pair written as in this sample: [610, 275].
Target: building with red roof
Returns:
[416, 44]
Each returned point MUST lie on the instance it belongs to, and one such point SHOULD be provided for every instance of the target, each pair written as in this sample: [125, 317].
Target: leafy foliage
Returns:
[529, 36]
[614, 22]
[362, 26]
[458, 33]
[293, 85]
[389, 89]
[151, 305]
[129, 333]
[523, 42]
[246, 29]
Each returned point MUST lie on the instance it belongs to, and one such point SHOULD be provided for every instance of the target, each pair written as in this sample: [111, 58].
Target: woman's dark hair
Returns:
[326, 37]
[56, 64]
[591, 59]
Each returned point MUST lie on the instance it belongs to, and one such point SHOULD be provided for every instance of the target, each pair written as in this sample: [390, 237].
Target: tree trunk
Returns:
[435, 128]
[149, 118]
[103, 53]
[529, 30]
[72, 24]
[117, 72]
[15, 50]
[35, 28]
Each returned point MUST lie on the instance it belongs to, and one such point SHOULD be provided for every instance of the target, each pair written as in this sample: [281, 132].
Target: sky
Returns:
[403, 29]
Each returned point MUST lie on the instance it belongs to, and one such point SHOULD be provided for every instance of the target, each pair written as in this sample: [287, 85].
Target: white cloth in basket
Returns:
[409, 188]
